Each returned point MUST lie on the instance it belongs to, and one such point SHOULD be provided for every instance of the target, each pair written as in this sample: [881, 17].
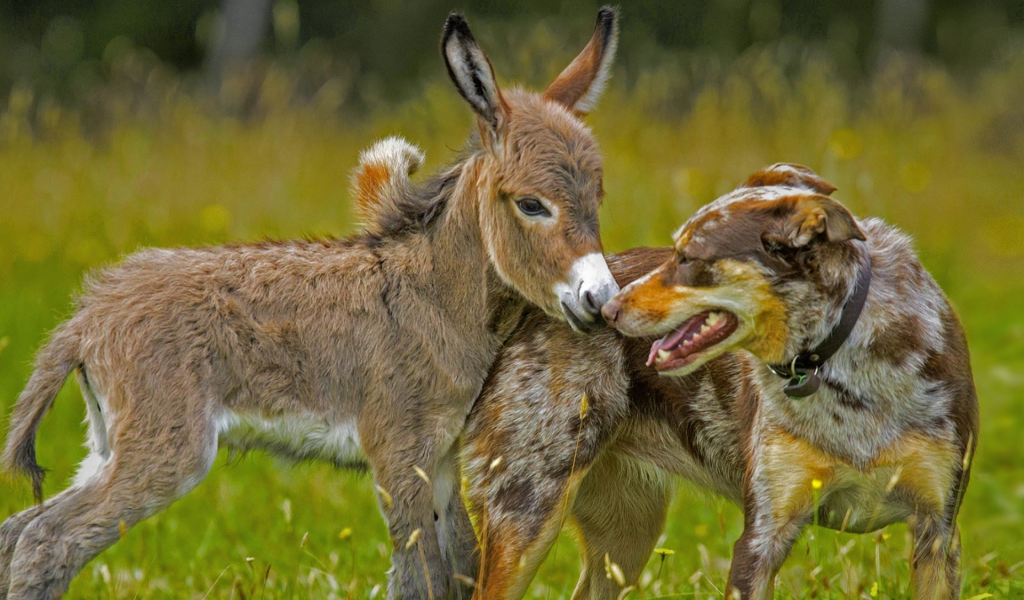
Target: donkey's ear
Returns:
[812, 216]
[580, 85]
[471, 71]
[791, 175]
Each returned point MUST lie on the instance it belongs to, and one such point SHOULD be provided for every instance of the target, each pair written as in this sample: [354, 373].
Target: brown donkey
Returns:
[367, 351]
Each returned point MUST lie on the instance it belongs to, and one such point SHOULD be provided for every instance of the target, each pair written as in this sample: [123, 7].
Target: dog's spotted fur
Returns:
[886, 435]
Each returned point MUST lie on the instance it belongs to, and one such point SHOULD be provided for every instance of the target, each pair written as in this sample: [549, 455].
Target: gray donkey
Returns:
[364, 352]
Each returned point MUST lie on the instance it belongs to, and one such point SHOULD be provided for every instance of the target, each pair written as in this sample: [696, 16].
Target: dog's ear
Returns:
[812, 216]
[580, 85]
[791, 175]
[473, 76]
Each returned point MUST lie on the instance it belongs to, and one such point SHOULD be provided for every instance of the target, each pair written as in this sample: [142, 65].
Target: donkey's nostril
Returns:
[590, 304]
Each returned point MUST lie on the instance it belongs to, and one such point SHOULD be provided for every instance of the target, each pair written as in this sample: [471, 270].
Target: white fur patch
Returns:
[400, 157]
[467, 61]
[89, 469]
[96, 407]
[298, 436]
[588, 274]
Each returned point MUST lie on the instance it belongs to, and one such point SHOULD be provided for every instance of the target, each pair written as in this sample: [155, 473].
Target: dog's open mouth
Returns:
[682, 346]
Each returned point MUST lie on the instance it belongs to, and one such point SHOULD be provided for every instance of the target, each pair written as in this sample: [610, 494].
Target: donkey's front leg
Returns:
[620, 511]
[405, 470]
[417, 564]
[456, 536]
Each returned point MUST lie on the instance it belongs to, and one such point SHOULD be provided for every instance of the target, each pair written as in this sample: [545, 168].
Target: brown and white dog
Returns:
[758, 283]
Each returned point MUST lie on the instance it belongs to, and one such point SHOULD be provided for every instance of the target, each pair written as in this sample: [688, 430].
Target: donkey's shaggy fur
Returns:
[366, 351]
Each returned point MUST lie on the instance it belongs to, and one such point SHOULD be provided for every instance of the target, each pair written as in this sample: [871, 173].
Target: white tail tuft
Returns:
[381, 181]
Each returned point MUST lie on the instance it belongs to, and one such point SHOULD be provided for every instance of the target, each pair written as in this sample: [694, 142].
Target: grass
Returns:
[941, 158]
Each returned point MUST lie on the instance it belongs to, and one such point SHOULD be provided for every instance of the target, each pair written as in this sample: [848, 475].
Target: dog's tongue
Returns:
[672, 339]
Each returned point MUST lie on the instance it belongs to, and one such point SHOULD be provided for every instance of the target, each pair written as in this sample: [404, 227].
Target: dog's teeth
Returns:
[687, 342]
[663, 354]
[713, 318]
[704, 327]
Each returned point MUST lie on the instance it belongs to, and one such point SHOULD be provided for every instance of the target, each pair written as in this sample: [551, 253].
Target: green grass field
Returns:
[942, 159]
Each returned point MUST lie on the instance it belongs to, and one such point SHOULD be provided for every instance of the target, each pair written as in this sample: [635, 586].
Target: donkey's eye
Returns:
[532, 207]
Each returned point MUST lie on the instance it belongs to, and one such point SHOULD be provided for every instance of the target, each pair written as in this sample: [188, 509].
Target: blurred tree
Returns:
[239, 34]
[902, 23]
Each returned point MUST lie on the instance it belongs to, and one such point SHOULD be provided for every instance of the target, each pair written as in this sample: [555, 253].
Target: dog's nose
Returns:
[611, 310]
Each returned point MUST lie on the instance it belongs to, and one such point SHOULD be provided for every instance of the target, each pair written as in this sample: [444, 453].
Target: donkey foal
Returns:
[367, 351]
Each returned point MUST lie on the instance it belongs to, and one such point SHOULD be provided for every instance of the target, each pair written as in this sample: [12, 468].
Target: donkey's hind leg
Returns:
[150, 468]
[99, 453]
[10, 531]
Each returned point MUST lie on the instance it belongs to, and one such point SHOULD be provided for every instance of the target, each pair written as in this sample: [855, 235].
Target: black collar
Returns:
[802, 373]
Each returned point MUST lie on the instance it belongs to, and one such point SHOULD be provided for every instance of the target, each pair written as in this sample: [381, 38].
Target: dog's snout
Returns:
[611, 310]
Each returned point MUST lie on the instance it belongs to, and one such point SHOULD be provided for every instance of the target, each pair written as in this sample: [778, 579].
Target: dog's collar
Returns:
[802, 373]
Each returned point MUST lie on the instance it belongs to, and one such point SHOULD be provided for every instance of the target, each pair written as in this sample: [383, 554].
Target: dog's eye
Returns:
[772, 246]
[684, 259]
[532, 207]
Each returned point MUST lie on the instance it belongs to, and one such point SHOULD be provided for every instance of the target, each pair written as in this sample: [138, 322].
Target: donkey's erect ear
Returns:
[471, 71]
[790, 175]
[580, 85]
[815, 215]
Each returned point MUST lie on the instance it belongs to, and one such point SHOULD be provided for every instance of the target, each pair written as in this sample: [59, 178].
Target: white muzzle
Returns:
[590, 284]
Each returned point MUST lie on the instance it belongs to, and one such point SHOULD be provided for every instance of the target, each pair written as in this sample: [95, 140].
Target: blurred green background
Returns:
[141, 123]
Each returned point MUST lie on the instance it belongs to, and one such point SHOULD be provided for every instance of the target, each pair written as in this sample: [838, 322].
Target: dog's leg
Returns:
[937, 490]
[78, 524]
[759, 554]
[953, 564]
[620, 510]
[514, 545]
[520, 506]
[778, 503]
[935, 562]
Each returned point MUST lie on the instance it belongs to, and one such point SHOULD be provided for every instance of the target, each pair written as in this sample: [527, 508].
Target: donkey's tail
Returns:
[380, 183]
[53, 365]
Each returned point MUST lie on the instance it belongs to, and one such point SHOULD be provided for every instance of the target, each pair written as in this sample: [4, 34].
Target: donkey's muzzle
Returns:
[589, 286]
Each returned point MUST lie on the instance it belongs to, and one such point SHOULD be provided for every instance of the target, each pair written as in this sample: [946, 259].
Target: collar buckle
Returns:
[802, 372]
[802, 384]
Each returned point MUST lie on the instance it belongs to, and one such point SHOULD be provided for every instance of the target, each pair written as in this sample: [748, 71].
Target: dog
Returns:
[783, 354]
